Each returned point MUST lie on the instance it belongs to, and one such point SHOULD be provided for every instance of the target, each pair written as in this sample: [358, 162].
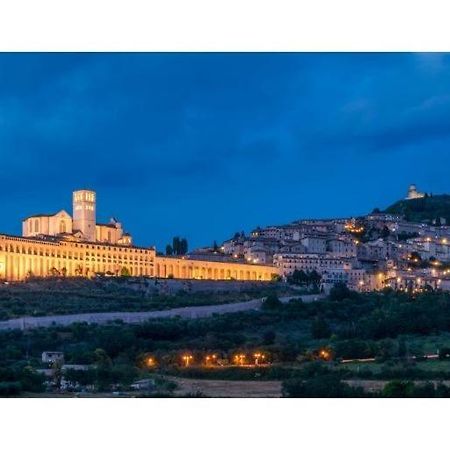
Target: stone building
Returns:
[59, 245]
[289, 262]
[82, 226]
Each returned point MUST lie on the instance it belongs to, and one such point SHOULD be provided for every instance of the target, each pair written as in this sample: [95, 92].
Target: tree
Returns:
[320, 329]
[386, 349]
[176, 245]
[269, 337]
[102, 360]
[57, 372]
[31, 380]
[339, 292]
[271, 302]
[325, 386]
[124, 272]
[299, 277]
[398, 389]
[215, 247]
[444, 353]
[402, 349]
[315, 277]
[81, 377]
[179, 246]
[184, 246]
[10, 388]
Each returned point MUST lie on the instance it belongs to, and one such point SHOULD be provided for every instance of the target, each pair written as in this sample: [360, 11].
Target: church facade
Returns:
[63, 245]
[83, 225]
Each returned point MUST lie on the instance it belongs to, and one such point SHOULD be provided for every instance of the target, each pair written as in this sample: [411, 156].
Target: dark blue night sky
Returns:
[203, 145]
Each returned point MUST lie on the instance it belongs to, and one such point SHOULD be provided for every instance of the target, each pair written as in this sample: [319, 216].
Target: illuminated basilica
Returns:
[63, 245]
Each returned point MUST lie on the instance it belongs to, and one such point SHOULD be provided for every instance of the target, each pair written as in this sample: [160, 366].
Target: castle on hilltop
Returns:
[413, 193]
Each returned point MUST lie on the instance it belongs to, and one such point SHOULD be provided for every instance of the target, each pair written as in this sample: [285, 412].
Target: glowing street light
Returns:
[259, 358]
[240, 359]
[150, 362]
[210, 359]
[187, 359]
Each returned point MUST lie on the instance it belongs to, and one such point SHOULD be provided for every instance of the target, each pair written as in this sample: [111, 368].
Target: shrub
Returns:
[271, 302]
[10, 388]
[325, 386]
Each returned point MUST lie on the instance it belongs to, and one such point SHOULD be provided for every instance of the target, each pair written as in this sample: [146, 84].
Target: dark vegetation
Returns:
[54, 297]
[179, 247]
[306, 279]
[305, 344]
[427, 209]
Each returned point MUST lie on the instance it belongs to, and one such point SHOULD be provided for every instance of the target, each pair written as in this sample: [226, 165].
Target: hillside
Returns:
[46, 297]
[424, 209]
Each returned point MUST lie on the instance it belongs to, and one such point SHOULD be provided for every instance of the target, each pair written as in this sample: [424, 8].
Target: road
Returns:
[189, 312]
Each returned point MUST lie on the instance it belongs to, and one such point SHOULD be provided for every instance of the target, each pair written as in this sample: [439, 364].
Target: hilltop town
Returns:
[372, 252]
[406, 248]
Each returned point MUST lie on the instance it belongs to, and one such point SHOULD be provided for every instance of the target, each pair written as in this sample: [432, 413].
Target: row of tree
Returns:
[179, 247]
[305, 278]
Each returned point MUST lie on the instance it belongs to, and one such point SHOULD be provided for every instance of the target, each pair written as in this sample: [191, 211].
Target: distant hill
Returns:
[425, 209]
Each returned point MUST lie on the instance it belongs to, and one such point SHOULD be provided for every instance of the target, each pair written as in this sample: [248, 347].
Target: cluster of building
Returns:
[366, 253]
[63, 245]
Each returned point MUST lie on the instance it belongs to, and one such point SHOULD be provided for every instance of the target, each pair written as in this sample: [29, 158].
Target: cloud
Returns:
[154, 127]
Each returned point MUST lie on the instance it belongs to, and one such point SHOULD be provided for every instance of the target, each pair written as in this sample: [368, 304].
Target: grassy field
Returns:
[225, 388]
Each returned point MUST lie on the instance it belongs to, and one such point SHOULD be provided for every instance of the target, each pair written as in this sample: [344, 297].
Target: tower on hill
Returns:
[84, 213]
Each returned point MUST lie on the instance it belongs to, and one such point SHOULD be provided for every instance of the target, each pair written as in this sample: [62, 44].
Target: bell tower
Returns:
[84, 213]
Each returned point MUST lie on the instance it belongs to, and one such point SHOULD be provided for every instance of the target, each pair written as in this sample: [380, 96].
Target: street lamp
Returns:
[187, 360]
[210, 359]
[259, 358]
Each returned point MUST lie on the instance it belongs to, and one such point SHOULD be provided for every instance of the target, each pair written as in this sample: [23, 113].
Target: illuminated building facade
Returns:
[168, 267]
[413, 193]
[59, 245]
